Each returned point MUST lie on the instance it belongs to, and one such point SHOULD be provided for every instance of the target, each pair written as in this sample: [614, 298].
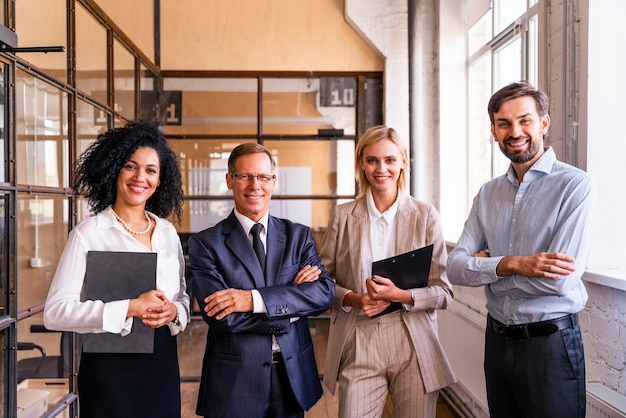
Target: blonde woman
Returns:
[398, 352]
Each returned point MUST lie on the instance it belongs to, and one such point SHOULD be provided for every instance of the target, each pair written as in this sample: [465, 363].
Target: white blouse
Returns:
[64, 310]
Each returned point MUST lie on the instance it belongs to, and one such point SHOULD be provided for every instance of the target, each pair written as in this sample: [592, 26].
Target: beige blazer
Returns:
[418, 224]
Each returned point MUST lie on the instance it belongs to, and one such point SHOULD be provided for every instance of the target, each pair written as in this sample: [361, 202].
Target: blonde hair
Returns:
[372, 135]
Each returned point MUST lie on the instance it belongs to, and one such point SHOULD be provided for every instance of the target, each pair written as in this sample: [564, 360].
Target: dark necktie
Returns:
[258, 245]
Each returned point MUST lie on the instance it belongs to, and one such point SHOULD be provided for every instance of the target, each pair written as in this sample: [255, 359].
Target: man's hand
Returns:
[307, 274]
[227, 301]
[549, 265]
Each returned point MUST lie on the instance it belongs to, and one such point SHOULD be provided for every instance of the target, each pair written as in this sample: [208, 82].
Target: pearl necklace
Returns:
[128, 228]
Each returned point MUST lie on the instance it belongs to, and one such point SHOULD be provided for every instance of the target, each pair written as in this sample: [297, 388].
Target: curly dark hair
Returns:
[97, 169]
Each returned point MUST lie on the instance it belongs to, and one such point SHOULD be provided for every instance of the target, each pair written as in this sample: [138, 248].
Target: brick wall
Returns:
[603, 323]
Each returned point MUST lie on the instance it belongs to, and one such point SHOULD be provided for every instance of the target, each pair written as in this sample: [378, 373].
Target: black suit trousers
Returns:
[539, 377]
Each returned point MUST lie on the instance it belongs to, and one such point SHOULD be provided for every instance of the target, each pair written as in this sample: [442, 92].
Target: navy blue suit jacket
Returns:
[235, 373]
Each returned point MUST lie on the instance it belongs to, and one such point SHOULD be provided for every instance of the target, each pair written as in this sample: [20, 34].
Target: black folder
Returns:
[113, 275]
[407, 271]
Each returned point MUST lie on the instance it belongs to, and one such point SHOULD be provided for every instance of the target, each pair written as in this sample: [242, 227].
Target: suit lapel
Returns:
[356, 228]
[239, 244]
[275, 243]
[405, 225]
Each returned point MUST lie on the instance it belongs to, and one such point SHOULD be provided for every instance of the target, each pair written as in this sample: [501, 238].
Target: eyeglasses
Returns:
[249, 178]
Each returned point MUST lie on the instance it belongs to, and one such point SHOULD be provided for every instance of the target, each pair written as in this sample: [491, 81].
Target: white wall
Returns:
[462, 331]
[603, 323]
[606, 109]
[384, 25]
[453, 116]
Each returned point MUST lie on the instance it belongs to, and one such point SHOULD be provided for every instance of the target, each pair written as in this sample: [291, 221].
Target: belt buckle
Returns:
[277, 357]
[502, 330]
[522, 332]
[513, 332]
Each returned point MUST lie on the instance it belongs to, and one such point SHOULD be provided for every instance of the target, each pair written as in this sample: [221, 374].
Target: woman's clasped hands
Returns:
[153, 308]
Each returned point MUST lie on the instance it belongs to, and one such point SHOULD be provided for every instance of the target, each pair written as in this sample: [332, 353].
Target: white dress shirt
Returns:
[247, 224]
[258, 305]
[381, 241]
[66, 311]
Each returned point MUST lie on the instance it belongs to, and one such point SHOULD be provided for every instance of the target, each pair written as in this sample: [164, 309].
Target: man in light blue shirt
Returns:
[527, 240]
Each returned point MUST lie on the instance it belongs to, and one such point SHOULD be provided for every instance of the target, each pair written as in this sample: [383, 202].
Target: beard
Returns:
[520, 157]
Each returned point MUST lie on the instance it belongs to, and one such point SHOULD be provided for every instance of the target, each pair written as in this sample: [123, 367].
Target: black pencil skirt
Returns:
[112, 385]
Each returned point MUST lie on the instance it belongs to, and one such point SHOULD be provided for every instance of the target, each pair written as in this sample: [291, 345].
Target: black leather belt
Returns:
[533, 329]
[277, 357]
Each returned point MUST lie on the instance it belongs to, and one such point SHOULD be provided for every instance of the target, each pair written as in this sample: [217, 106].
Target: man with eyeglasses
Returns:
[256, 278]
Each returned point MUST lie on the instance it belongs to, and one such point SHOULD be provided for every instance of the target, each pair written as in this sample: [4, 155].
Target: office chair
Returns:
[44, 366]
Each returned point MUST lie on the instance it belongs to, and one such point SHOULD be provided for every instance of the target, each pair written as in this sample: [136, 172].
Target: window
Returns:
[502, 48]
[41, 132]
[56, 110]
[309, 124]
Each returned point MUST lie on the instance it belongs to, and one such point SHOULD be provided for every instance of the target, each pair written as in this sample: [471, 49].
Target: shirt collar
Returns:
[542, 165]
[106, 219]
[375, 214]
[248, 223]
[545, 162]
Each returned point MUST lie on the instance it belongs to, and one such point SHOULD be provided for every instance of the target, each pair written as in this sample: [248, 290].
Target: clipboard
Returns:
[115, 275]
[407, 271]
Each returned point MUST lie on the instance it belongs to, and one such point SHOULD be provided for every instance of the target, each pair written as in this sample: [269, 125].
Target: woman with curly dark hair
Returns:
[131, 180]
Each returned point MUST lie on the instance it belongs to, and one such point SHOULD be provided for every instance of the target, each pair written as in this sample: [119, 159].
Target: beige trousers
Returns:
[379, 358]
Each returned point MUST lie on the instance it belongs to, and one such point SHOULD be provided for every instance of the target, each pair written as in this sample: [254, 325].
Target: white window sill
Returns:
[609, 278]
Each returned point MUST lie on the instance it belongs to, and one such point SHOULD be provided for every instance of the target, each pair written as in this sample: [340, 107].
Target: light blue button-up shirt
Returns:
[551, 210]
